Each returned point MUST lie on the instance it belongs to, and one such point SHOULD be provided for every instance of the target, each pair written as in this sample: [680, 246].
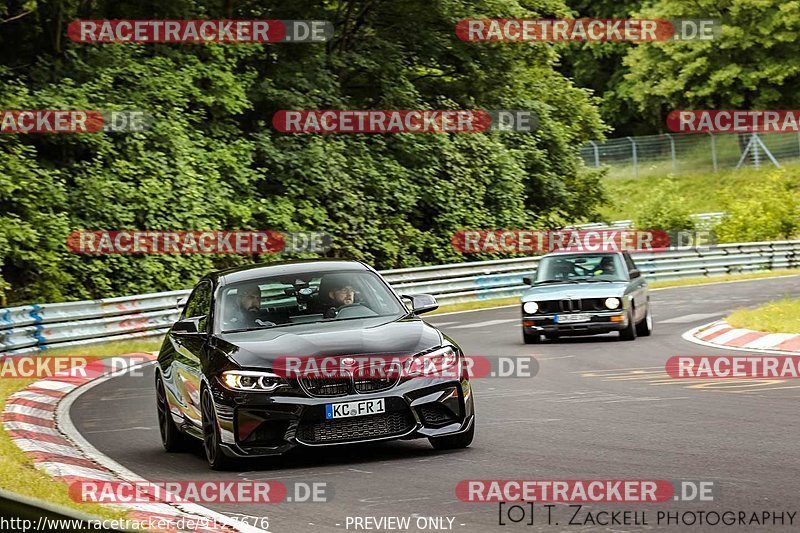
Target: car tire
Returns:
[629, 333]
[171, 437]
[454, 442]
[531, 338]
[645, 327]
[212, 447]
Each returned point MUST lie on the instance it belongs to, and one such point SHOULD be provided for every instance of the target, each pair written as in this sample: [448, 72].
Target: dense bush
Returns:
[767, 209]
[212, 160]
[664, 208]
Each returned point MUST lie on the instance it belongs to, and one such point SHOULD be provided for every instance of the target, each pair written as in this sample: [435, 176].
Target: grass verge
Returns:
[17, 472]
[704, 190]
[782, 316]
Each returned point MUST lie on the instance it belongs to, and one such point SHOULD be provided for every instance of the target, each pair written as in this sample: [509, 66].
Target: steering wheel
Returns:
[339, 309]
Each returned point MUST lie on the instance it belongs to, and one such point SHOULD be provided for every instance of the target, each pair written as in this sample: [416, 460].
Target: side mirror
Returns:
[421, 303]
[527, 280]
[635, 274]
[188, 326]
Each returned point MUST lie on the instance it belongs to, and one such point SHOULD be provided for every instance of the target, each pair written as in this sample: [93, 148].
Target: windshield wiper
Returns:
[598, 280]
[556, 281]
[242, 330]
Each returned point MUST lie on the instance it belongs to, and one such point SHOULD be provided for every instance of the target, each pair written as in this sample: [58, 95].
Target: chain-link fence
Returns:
[690, 152]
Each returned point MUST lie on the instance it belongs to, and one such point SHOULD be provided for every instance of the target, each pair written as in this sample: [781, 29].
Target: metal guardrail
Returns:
[21, 513]
[701, 221]
[32, 328]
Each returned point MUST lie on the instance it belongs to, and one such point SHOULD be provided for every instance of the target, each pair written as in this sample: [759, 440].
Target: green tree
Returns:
[212, 160]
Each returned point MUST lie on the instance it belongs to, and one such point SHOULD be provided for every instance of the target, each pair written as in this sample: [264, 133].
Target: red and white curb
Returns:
[720, 334]
[37, 421]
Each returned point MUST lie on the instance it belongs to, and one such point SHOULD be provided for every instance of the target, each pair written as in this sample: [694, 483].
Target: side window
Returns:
[629, 262]
[199, 304]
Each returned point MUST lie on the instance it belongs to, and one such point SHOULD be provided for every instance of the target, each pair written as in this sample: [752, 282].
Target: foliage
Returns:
[762, 210]
[212, 160]
[664, 208]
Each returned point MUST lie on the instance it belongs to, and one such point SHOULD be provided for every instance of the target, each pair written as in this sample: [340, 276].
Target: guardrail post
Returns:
[672, 153]
[713, 151]
[635, 159]
[597, 154]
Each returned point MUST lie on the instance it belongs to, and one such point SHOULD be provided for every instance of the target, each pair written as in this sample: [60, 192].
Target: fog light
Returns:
[612, 303]
[530, 307]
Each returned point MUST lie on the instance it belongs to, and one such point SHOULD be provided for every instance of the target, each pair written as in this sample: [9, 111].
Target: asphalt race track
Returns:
[599, 408]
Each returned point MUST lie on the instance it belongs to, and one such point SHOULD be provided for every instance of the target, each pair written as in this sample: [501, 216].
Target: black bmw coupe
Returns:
[234, 371]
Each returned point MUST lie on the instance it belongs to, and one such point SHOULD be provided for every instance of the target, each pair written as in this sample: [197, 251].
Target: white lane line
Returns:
[486, 323]
[595, 373]
[134, 428]
[443, 324]
[685, 319]
[551, 358]
[650, 399]
[520, 421]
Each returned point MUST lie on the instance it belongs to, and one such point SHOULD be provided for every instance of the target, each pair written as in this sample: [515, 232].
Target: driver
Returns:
[248, 307]
[606, 267]
[337, 293]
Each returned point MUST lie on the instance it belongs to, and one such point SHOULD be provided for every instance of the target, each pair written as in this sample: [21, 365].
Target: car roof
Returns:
[578, 254]
[284, 268]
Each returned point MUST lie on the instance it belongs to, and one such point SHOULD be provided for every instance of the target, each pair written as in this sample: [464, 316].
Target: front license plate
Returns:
[359, 408]
[571, 319]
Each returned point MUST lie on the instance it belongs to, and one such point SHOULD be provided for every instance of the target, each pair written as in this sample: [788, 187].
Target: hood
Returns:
[365, 336]
[558, 291]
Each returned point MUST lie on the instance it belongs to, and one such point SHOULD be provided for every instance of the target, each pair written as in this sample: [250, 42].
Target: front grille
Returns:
[569, 306]
[434, 414]
[326, 386]
[549, 307]
[357, 428]
[375, 384]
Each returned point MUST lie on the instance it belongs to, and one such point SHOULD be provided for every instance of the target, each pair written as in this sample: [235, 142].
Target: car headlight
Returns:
[432, 363]
[247, 380]
[612, 303]
[530, 307]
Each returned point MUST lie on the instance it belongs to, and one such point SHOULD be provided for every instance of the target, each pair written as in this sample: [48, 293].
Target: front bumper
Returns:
[263, 424]
[599, 322]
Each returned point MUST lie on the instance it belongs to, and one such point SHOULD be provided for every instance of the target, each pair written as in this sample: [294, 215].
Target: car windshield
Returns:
[587, 267]
[305, 298]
